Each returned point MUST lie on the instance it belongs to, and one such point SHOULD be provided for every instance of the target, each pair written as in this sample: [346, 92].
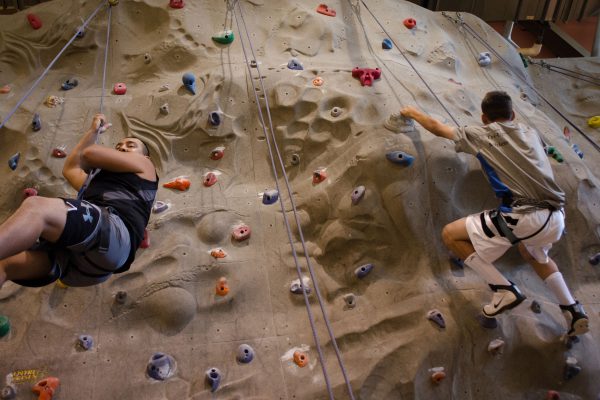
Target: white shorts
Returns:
[522, 225]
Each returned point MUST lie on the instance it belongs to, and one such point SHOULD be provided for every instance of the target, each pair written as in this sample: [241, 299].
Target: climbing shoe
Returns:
[505, 297]
[576, 318]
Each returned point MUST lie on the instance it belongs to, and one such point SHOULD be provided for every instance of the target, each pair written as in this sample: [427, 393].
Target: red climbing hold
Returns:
[59, 152]
[176, 3]
[5, 89]
[410, 23]
[46, 387]
[366, 75]
[319, 176]
[552, 395]
[146, 241]
[29, 192]
[120, 88]
[323, 9]
[34, 21]
[210, 179]
[217, 153]
[241, 232]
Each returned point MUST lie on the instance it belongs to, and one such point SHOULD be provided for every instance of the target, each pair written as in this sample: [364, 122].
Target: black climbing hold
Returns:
[487, 323]
[436, 317]
[270, 196]
[295, 64]
[570, 341]
[399, 157]
[595, 259]
[571, 369]
[86, 342]
[295, 160]
[245, 354]
[69, 84]
[4, 325]
[121, 297]
[253, 64]
[536, 307]
[36, 123]
[213, 377]
[161, 366]
[457, 262]
[387, 44]
[214, 118]
[13, 162]
[363, 270]
[357, 194]
[8, 393]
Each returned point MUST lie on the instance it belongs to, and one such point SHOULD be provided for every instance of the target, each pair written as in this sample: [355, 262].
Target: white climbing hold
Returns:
[296, 288]
[484, 59]
[164, 88]
[399, 124]
[164, 109]
[496, 346]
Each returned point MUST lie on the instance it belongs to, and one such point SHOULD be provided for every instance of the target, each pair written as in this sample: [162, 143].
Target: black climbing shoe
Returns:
[505, 297]
[576, 318]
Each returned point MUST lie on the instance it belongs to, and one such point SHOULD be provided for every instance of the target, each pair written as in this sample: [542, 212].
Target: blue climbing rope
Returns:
[409, 62]
[36, 83]
[271, 141]
[472, 32]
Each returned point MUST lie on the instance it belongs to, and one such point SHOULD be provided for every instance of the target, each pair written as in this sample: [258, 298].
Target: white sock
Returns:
[486, 270]
[557, 285]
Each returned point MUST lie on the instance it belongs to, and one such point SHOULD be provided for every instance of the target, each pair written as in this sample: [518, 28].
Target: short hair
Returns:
[144, 148]
[497, 105]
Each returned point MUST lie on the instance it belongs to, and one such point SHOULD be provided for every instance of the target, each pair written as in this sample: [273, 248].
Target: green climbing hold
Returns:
[224, 37]
[4, 326]
[525, 63]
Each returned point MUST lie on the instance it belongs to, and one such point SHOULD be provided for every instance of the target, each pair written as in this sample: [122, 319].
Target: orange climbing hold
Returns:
[318, 81]
[182, 184]
[323, 9]
[222, 287]
[319, 176]
[438, 376]
[218, 253]
[5, 89]
[300, 358]
[410, 23]
[46, 387]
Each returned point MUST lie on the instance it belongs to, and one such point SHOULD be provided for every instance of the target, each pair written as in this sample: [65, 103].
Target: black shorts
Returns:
[94, 243]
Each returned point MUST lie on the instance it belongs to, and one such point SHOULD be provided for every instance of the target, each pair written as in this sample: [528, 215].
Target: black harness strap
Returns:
[506, 232]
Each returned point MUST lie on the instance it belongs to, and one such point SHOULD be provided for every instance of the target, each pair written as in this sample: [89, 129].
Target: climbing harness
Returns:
[503, 228]
[475, 35]
[36, 83]
[567, 72]
[272, 144]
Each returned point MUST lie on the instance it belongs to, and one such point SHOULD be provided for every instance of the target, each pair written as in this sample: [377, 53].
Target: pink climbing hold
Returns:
[410, 23]
[325, 10]
[146, 241]
[366, 75]
[241, 232]
[176, 3]
[120, 88]
[34, 21]
[210, 179]
[29, 192]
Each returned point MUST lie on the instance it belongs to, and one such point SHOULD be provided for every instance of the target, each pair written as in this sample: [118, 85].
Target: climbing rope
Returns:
[410, 63]
[43, 75]
[271, 142]
[567, 72]
[473, 33]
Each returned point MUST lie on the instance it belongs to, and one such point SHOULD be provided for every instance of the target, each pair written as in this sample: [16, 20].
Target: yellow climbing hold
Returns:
[594, 122]
[113, 2]
[60, 284]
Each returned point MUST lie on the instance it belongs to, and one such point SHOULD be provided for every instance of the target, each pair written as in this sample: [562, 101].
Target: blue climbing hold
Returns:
[213, 377]
[214, 118]
[387, 44]
[161, 366]
[399, 157]
[86, 342]
[436, 317]
[13, 162]
[357, 194]
[245, 354]
[363, 270]
[189, 81]
[577, 150]
[270, 196]
[484, 59]
[69, 84]
[295, 64]
[36, 123]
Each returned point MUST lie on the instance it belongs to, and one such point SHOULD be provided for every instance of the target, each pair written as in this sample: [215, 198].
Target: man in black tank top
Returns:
[82, 241]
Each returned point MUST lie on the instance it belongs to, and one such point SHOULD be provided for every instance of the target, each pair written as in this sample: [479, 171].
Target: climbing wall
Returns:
[371, 192]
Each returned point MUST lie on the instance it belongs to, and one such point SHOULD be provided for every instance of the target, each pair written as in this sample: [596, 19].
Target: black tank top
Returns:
[130, 197]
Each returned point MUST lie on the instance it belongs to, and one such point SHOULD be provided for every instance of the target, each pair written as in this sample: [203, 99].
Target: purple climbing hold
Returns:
[8, 393]
[86, 342]
[436, 317]
[36, 123]
[363, 270]
[295, 64]
[387, 44]
[536, 307]
[270, 196]
[213, 377]
[13, 162]
[399, 157]
[214, 118]
[161, 366]
[160, 206]
[595, 259]
[357, 194]
[245, 354]
[487, 323]
[69, 84]
[189, 81]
